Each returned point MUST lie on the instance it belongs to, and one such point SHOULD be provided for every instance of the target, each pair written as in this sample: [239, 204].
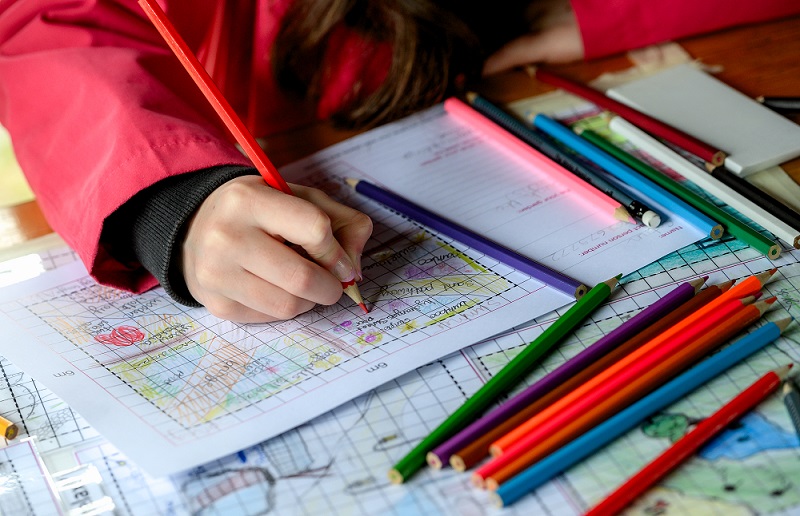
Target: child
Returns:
[132, 167]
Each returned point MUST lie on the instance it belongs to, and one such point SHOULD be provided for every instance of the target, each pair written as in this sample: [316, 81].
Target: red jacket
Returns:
[99, 109]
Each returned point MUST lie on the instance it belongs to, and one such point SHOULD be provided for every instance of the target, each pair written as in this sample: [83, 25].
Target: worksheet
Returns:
[174, 387]
[337, 463]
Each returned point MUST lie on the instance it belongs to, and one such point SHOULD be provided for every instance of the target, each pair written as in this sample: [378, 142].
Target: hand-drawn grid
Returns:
[336, 464]
[188, 372]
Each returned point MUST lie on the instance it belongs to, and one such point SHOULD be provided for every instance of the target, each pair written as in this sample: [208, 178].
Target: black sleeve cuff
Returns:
[149, 228]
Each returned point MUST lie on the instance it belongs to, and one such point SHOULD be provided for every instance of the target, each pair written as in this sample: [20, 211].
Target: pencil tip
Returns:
[364, 307]
[471, 96]
[782, 323]
[351, 181]
[783, 371]
[725, 286]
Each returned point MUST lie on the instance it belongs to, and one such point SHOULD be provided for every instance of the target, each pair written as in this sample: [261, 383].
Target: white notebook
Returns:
[753, 136]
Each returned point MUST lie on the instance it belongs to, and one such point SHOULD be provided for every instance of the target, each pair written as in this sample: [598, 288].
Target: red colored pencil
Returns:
[703, 150]
[690, 442]
[232, 121]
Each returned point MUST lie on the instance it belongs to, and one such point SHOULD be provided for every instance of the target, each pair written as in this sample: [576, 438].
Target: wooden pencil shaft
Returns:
[735, 226]
[685, 141]
[758, 197]
[466, 236]
[214, 96]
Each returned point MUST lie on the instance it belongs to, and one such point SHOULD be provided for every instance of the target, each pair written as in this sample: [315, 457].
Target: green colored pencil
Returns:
[733, 225]
[505, 380]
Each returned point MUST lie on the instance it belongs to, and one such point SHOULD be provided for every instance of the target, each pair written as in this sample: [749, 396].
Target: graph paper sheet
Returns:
[174, 387]
[337, 463]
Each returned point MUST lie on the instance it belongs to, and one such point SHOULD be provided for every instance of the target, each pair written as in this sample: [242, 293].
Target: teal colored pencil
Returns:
[629, 176]
[580, 448]
[505, 380]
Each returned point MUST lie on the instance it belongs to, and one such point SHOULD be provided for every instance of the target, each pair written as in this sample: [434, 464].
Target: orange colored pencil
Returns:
[746, 287]
[591, 393]
[615, 398]
[689, 443]
[473, 453]
[203, 80]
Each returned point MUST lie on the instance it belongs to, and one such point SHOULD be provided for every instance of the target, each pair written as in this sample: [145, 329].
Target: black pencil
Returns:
[783, 105]
[575, 163]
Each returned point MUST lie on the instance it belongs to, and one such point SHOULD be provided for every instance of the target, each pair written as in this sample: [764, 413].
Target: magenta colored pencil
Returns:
[606, 344]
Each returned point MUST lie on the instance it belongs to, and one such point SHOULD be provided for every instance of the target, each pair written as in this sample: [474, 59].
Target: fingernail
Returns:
[344, 270]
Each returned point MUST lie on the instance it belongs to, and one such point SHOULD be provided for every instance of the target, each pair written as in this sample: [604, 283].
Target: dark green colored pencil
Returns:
[733, 225]
[505, 380]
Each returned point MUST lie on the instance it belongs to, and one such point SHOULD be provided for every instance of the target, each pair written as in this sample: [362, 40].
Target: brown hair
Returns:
[433, 43]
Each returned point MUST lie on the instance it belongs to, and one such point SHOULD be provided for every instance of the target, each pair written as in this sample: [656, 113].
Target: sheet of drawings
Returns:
[337, 463]
[196, 388]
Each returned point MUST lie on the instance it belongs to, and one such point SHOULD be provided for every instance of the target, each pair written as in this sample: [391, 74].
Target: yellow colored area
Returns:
[14, 188]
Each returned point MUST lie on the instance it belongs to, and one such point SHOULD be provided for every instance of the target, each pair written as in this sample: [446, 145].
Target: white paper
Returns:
[174, 387]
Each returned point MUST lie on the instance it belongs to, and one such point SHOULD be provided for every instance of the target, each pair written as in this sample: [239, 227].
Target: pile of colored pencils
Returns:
[648, 362]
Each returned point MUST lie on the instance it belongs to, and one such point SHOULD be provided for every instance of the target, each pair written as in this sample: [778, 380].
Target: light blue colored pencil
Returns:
[629, 176]
[580, 448]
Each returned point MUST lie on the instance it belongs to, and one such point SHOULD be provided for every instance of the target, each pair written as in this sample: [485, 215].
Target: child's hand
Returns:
[554, 38]
[236, 263]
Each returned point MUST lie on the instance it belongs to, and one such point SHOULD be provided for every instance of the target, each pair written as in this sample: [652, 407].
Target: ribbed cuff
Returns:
[149, 228]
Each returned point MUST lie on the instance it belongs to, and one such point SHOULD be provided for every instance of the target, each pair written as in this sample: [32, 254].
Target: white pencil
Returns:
[704, 180]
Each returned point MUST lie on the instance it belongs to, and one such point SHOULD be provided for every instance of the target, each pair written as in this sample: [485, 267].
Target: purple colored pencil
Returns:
[606, 344]
[546, 275]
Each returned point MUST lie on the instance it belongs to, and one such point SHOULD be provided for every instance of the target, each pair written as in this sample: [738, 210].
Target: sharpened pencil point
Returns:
[783, 371]
[364, 307]
[783, 323]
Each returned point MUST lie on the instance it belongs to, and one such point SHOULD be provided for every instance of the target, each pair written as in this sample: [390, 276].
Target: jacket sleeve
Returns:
[99, 109]
[612, 26]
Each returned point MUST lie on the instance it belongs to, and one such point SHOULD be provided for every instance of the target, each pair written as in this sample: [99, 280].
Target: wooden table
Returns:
[761, 59]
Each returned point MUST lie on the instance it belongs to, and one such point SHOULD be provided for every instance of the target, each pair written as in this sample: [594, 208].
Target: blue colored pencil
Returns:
[580, 448]
[629, 176]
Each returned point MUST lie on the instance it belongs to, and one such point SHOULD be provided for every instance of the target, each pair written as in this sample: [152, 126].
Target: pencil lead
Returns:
[364, 307]
[433, 460]
[471, 96]
[748, 300]
[763, 306]
[770, 300]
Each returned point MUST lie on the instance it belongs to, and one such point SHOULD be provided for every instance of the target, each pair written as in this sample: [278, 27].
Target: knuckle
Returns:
[319, 225]
[292, 307]
[302, 276]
